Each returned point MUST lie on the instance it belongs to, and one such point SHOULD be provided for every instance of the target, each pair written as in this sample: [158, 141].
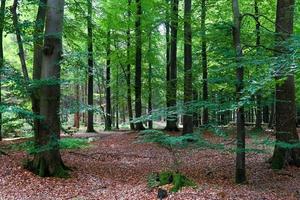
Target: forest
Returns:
[149, 99]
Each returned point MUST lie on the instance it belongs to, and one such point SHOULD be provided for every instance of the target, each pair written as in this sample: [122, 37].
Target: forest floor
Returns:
[116, 167]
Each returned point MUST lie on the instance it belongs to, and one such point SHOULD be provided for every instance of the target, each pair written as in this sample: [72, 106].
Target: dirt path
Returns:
[116, 167]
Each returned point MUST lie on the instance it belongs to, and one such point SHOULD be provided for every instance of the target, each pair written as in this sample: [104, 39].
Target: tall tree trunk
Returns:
[117, 99]
[167, 25]
[285, 113]
[258, 120]
[47, 161]
[2, 16]
[172, 93]
[150, 122]
[240, 174]
[138, 65]
[37, 58]
[128, 77]
[108, 91]
[188, 86]
[205, 117]
[90, 122]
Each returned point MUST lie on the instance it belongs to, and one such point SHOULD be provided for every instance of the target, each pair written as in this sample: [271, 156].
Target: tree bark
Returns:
[47, 160]
[37, 59]
[205, 117]
[138, 66]
[258, 120]
[2, 19]
[150, 122]
[240, 174]
[90, 121]
[285, 114]
[172, 86]
[128, 77]
[108, 88]
[188, 86]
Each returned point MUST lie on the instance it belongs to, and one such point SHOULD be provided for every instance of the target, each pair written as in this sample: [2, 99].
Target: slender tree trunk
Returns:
[47, 161]
[117, 100]
[150, 122]
[108, 88]
[19, 39]
[258, 121]
[188, 86]
[128, 77]
[2, 16]
[205, 116]
[77, 113]
[138, 65]
[240, 175]
[285, 113]
[172, 93]
[90, 122]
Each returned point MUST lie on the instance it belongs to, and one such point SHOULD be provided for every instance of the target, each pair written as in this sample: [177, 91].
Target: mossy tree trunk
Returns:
[285, 114]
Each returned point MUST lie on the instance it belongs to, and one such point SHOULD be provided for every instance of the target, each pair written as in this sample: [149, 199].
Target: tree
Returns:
[2, 18]
[138, 65]
[285, 114]
[108, 91]
[188, 86]
[37, 58]
[240, 174]
[47, 160]
[172, 85]
[128, 76]
[204, 60]
[150, 122]
[258, 120]
[90, 122]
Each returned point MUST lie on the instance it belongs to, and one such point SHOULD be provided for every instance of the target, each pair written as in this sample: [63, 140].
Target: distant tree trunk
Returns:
[128, 77]
[285, 113]
[172, 93]
[258, 121]
[77, 113]
[240, 175]
[108, 120]
[138, 66]
[2, 16]
[38, 43]
[188, 86]
[266, 114]
[150, 122]
[117, 100]
[195, 113]
[204, 61]
[48, 162]
[90, 122]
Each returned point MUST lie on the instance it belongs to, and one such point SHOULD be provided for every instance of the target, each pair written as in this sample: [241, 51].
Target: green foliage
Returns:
[64, 143]
[166, 177]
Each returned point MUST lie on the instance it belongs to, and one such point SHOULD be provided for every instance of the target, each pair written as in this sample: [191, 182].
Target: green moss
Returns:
[166, 177]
